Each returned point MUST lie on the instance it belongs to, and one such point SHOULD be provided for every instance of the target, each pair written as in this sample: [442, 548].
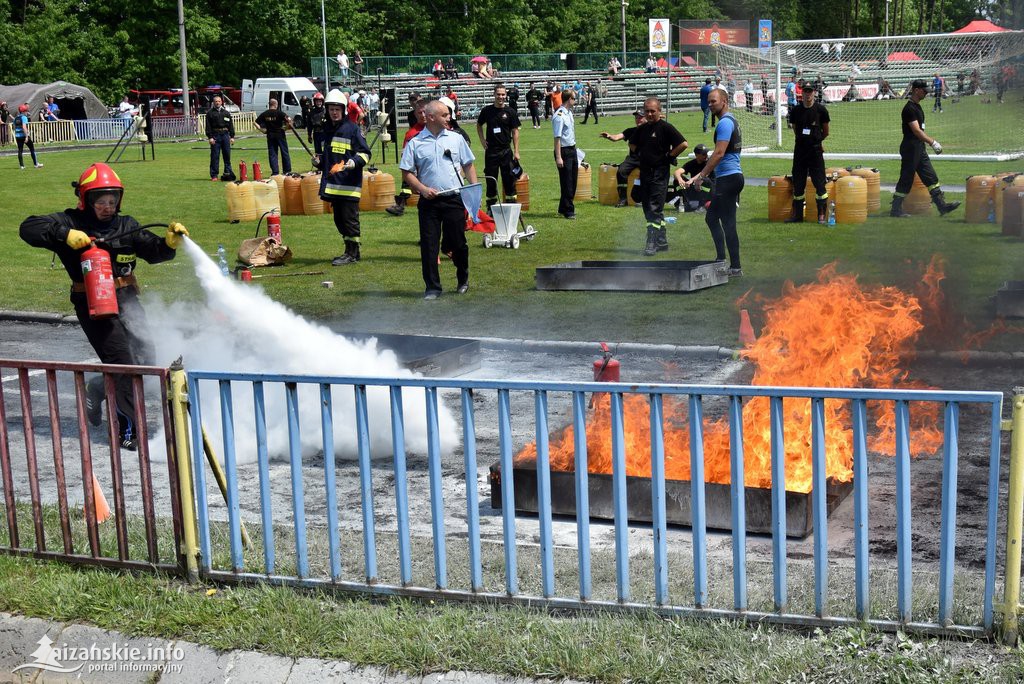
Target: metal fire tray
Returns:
[717, 498]
[443, 357]
[646, 276]
[1010, 299]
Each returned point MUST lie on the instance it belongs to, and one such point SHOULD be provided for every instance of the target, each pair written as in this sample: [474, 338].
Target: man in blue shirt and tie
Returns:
[430, 165]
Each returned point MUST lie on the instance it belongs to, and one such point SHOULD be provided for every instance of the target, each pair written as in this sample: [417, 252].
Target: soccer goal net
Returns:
[977, 112]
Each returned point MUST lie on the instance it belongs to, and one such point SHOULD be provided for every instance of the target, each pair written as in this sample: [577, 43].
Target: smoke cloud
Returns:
[239, 328]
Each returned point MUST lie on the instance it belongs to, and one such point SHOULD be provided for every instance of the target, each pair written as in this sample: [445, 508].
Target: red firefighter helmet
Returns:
[23, 109]
[99, 176]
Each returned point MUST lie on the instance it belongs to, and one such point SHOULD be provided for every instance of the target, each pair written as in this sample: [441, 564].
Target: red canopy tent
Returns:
[980, 26]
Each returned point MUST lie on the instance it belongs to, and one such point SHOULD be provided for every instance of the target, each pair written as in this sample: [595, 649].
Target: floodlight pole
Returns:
[624, 6]
[323, 26]
[186, 109]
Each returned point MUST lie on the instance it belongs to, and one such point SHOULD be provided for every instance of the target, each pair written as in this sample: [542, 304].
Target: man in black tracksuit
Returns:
[315, 121]
[533, 100]
[498, 130]
[657, 143]
[220, 132]
[344, 155]
[809, 121]
[914, 157]
[631, 161]
[117, 339]
[275, 124]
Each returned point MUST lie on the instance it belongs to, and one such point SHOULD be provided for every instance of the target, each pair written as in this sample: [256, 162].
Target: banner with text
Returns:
[711, 33]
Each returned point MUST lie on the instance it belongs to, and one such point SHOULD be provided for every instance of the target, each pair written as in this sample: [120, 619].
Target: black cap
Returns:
[700, 149]
[919, 84]
[638, 114]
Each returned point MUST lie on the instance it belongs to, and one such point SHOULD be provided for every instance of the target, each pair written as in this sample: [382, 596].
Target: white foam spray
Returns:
[239, 328]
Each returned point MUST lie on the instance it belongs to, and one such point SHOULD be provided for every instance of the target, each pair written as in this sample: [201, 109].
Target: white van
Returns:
[287, 91]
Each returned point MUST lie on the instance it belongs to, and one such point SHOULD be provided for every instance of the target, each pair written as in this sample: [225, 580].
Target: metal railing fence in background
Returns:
[424, 64]
[297, 551]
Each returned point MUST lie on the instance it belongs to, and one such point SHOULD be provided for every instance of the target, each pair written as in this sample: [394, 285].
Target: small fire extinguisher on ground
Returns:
[100, 290]
[274, 225]
[606, 369]
[243, 172]
[257, 172]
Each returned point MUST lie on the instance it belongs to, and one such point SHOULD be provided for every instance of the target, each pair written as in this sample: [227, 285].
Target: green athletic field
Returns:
[383, 292]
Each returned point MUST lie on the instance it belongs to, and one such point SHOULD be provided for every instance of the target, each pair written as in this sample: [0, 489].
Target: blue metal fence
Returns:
[224, 558]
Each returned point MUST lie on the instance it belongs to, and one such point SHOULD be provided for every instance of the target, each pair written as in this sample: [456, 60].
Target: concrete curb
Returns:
[176, 660]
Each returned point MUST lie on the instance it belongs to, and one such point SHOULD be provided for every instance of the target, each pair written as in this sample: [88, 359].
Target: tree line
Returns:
[115, 45]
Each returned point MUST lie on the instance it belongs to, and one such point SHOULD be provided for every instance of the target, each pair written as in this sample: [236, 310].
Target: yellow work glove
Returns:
[76, 239]
[174, 233]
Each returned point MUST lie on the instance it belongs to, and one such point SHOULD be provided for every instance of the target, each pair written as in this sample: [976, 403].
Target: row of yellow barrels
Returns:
[986, 196]
[855, 192]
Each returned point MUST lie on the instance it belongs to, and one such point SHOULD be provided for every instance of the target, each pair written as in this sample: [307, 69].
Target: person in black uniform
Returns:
[590, 95]
[533, 99]
[513, 97]
[914, 157]
[220, 131]
[344, 155]
[810, 123]
[315, 122]
[656, 144]
[501, 146]
[274, 123]
[117, 340]
[689, 197]
[630, 162]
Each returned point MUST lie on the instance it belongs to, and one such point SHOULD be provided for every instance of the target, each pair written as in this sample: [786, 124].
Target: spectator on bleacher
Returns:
[474, 69]
[838, 49]
[748, 95]
[855, 70]
[357, 64]
[705, 90]
[449, 69]
[590, 102]
[485, 70]
[437, 69]
[533, 98]
[343, 65]
[652, 65]
[614, 66]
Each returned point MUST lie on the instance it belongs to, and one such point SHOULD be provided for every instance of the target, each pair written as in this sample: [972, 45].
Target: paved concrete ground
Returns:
[28, 641]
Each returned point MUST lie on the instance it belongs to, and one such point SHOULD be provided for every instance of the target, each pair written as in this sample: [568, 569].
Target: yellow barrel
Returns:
[584, 191]
[366, 199]
[980, 199]
[917, 202]
[241, 202]
[281, 197]
[810, 202]
[413, 200]
[874, 180]
[266, 196]
[312, 205]
[523, 192]
[834, 172]
[381, 189]
[292, 203]
[607, 191]
[780, 198]
[1003, 181]
[851, 200]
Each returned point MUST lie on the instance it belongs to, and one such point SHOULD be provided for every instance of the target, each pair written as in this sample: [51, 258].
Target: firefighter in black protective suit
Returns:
[809, 121]
[115, 339]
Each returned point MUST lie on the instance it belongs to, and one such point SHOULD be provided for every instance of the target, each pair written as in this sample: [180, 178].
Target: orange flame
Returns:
[829, 333]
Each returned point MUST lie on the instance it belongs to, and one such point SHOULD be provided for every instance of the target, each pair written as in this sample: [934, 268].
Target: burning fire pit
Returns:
[648, 276]
[718, 501]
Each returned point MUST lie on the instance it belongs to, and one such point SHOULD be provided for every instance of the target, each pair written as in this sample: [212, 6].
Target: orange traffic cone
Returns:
[101, 505]
[747, 337]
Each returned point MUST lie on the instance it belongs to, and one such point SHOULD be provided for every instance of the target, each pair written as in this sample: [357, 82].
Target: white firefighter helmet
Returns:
[336, 97]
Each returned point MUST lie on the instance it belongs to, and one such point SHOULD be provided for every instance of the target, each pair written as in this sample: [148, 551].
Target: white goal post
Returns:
[979, 115]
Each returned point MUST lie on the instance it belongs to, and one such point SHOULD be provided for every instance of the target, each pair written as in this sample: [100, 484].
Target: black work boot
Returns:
[652, 241]
[398, 208]
[897, 208]
[798, 212]
[622, 198]
[939, 198]
[822, 211]
[662, 239]
[350, 256]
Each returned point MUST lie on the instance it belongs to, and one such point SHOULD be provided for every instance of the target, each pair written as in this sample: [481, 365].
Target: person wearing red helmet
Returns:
[316, 121]
[117, 340]
[24, 138]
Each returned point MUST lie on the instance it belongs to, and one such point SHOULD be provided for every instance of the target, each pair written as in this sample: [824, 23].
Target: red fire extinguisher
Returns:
[257, 173]
[243, 172]
[274, 226]
[606, 369]
[100, 291]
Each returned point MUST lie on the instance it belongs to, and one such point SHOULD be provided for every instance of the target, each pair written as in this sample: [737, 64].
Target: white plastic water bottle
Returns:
[222, 260]
[832, 213]
[670, 219]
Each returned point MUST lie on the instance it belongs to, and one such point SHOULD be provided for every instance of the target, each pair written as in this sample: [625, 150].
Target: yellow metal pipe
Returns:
[222, 481]
[178, 397]
[1015, 521]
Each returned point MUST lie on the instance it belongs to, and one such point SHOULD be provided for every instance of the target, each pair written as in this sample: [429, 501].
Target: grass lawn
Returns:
[382, 293]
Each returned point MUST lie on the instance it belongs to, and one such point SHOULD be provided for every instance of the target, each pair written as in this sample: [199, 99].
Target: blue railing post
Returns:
[472, 512]
[508, 504]
[778, 441]
[860, 509]
[366, 484]
[579, 424]
[820, 510]
[263, 464]
[619, 500]
[739, 503]
[401, 485]
[547, 563]
[330, 486]
[436, 490]
[947, 551]
[659, 527]
[298, 490]
[904, 576]
[697, 504]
